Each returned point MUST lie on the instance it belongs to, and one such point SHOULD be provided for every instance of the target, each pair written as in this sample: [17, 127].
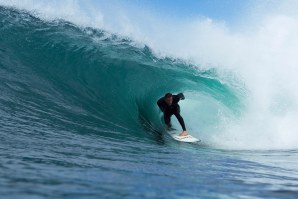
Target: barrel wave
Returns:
[59, 76]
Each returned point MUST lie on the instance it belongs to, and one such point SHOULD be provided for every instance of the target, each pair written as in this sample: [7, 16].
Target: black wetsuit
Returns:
[174, 109]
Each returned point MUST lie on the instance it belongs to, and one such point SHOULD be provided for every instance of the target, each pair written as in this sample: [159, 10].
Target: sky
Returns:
[216, 9]
[219, 10]
[233, 13]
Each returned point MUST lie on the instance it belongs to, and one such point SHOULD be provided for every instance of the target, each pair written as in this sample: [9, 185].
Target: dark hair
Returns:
[168, 95]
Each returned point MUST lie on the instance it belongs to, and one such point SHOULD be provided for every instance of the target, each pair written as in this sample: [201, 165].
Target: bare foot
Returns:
[184, 133]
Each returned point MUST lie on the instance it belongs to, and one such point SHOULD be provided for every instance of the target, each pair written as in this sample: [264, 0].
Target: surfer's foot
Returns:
[184, 133]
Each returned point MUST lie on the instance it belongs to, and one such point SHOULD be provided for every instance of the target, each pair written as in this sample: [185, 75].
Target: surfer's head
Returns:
[169, 98]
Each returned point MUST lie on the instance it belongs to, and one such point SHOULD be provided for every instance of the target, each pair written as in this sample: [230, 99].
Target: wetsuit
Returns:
[174, 109]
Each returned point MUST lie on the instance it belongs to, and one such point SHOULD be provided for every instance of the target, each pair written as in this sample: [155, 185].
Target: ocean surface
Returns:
[78, 119]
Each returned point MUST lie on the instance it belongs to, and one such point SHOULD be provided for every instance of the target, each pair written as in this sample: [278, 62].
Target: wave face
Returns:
[81, 78]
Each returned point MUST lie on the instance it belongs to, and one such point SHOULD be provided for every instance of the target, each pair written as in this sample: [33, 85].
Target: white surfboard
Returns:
[189, 138]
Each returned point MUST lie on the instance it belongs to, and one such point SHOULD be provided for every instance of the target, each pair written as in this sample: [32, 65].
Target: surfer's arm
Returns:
[181, 121]
[178, 97]
[181, 96]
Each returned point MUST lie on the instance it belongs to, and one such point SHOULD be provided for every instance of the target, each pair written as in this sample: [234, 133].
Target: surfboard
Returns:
[175, 135]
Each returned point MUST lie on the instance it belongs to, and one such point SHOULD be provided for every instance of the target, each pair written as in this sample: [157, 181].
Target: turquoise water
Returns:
[78, 119]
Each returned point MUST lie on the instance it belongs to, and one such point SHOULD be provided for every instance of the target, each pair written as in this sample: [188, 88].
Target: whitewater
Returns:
[78, 116]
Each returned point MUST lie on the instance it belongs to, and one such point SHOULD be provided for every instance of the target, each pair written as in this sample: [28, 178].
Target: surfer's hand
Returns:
[181, 96]
[184, 133]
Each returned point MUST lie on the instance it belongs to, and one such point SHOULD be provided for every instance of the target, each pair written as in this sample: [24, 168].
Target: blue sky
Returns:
[216, 9]
[222, 10]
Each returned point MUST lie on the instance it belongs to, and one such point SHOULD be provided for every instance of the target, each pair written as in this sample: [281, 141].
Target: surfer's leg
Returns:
[180, 119]
[167, 119]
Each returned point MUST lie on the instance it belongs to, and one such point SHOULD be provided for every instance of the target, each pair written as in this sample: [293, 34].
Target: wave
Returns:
[61, 76]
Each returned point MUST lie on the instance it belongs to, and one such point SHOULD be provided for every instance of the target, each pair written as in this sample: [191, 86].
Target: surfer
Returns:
[169, 106]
